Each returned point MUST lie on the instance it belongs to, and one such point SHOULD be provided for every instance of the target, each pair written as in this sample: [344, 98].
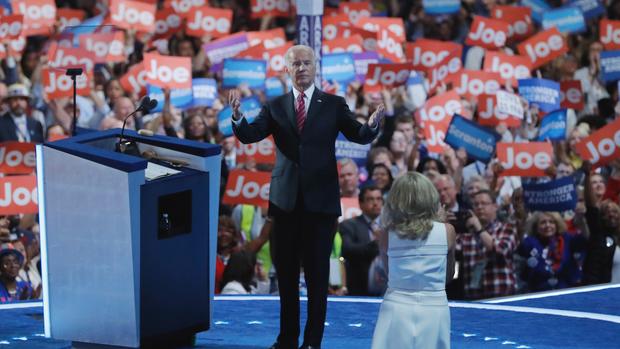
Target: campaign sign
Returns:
[134, 81]
[601, 146]
[355, 10]
[168, 71]
[247, 187]
[609, 34]
[387, 75]
[11, 27]
[250, 107]
[129, 14]
[435, 116]
[167, 22]
[509, 104]
[478, 141]
[226, 47]
[273, 88]
[449, 67]
[180, 98]
[354, 151]
[589, 8]
[488, 33]
[542, 92]
[519, 19]
[544, 47]
[211, 21]
[490, 115]
[472, 83]
[39, 16]
[610, 65]
[525, 159]
[204, 92]
[553, 126]
[350, 208]
[554, 196]
[17, 158]
[353, 44]
[338, 67]
[57, 84]
[510, 68]
[262, 152]
[252, 72]
[441, 7]
[18, 194]
[567, 20]
[269, 38]
[425, 54]
[361, 61]
[539, 7]
[69, 17]
[571, 95]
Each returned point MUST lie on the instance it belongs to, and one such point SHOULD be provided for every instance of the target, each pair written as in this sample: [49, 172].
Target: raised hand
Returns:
[235, 104]
[377, 116]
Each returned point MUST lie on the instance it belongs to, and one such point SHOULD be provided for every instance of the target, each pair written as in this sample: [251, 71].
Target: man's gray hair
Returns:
[287, 55]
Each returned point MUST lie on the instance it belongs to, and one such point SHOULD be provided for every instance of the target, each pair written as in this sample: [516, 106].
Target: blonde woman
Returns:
[419, 254]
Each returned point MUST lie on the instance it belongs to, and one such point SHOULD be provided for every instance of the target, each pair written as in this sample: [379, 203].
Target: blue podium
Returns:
[128, 243]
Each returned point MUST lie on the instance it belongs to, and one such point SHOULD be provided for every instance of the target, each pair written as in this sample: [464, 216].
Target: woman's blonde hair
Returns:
[560, 225]
[411, 207]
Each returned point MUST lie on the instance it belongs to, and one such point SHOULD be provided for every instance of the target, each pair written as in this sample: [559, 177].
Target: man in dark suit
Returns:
[360, 240]
[304, 195]
[16, 125]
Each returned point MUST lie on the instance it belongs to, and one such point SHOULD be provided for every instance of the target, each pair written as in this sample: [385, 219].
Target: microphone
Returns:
[146, 105]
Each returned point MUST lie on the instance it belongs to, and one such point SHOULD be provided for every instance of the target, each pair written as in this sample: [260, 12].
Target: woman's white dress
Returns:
[415, 312]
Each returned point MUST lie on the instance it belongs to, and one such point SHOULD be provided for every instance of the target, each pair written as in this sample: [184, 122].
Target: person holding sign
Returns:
[304, 196]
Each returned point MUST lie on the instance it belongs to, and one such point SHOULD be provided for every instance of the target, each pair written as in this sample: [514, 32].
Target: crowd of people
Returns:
[502, 247]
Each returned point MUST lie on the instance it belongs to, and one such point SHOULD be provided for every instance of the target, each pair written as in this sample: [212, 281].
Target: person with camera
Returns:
[488, 247]
[456, 215]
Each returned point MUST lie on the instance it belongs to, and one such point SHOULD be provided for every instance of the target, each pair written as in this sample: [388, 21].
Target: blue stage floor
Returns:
[587, 317]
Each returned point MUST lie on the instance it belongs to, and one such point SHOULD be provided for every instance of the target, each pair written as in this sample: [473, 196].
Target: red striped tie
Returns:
[300, 110]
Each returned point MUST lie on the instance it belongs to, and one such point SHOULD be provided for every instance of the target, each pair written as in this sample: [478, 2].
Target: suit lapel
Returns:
[315, 106]
[289, 108]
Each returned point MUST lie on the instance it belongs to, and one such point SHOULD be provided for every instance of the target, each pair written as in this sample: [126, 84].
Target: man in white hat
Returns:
[16, 124]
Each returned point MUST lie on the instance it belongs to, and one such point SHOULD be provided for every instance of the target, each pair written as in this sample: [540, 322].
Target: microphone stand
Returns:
[146, 104]
[74, 73]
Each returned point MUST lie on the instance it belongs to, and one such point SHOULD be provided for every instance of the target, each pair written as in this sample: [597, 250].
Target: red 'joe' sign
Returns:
[543, 47]
[602, 146]
[489, 114]
[510, 68]
[609, 34]
[209, 21]
[17, 158]
[263, 152]
[519, 19]
[487, 33]
[39, 16]
[247, 187]
[130, 14]
[386, 75]
[525, 159]
[18, 194]
[571, 95]
[56, 83]
[168, 71]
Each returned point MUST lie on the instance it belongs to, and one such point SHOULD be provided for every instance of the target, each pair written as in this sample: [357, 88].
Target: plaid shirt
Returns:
[488, 273]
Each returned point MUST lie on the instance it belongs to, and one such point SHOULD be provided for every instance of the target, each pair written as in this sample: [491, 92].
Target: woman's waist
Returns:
[429, 297]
